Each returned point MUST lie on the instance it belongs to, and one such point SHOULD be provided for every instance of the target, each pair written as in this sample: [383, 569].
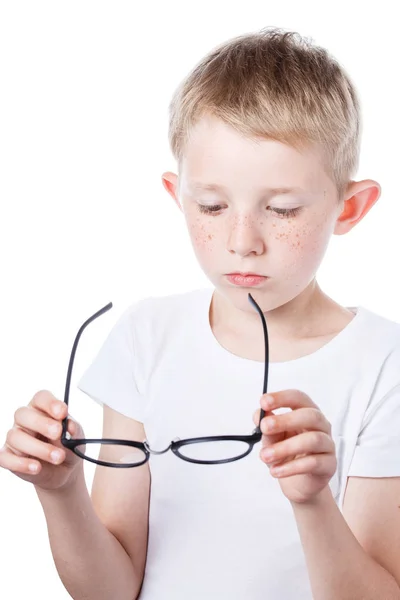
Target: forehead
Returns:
[216, 154]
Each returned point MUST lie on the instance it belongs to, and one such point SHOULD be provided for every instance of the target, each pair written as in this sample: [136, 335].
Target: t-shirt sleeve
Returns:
[377, 452]
[110, 378]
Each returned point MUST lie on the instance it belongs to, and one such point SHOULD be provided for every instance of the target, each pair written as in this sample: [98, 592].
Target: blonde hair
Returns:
[276, 85]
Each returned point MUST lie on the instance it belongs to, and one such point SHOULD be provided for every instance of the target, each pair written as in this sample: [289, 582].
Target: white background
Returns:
[84, 94]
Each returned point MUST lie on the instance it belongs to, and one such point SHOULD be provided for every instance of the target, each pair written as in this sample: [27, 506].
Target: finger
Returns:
[33, 420]
[256, 416]
[286, 399]
[18, 440]
[310, 442]
[49, 404]
[296, 420]
[267, 439]
[320, 464]
[16, 464]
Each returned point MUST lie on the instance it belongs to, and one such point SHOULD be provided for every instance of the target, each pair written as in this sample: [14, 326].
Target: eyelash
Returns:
[283, 212]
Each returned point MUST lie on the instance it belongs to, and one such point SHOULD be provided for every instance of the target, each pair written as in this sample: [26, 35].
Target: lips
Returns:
[247, 274]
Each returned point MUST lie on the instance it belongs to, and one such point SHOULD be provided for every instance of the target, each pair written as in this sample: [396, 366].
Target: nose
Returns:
[245, 236]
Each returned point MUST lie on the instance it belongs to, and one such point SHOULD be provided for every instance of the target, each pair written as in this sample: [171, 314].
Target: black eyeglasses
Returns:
[203, 450]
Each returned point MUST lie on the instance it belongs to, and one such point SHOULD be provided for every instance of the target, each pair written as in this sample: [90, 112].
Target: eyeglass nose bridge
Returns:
[146, 445]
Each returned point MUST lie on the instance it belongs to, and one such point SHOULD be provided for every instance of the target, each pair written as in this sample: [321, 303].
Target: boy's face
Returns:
[245, 234]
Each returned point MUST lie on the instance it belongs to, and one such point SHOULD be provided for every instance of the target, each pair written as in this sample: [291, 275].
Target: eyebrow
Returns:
[198, 186]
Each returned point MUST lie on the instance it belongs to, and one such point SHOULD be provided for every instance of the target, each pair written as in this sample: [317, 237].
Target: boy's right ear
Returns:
[171, 183]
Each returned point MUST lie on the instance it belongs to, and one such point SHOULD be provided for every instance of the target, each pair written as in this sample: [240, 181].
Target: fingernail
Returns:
[57, 408]
[53, 429]
[55, 456]
[269, 400]
[278, 470]
[268, 453]
[269, 425]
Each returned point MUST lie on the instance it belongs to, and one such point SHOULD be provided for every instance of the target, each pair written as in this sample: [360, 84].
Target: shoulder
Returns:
[378, 358]
[378, 342]
[165, 310]
[387, 330]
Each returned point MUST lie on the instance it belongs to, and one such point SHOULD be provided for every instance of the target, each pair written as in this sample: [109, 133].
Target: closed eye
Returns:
[284, 212]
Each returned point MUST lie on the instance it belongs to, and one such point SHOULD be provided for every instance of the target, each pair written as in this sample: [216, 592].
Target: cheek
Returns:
[305, 244]
[201, 233]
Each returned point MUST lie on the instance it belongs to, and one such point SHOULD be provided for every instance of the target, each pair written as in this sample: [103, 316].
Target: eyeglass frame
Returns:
[70, 443]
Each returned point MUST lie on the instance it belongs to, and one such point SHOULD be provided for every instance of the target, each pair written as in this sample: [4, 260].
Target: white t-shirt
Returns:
[227, 531]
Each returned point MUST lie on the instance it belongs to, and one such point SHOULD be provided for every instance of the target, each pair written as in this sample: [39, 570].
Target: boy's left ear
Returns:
[359, 198]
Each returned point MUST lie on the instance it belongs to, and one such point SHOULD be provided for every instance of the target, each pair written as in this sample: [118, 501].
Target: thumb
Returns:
[75, 428]
[267, 439]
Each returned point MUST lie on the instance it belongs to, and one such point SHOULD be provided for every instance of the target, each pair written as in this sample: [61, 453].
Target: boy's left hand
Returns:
[302, 444]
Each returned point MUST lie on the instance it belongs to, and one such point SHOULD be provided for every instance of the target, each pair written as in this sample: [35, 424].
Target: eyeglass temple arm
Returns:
[72, 357]
[264, 324]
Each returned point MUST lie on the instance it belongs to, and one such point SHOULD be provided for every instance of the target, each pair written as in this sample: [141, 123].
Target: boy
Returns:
[266, 133]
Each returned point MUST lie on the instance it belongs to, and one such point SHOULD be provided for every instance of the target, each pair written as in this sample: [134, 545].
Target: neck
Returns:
[307, 315]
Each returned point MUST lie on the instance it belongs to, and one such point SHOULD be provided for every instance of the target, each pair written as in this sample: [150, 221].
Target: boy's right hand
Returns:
[31, 442]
